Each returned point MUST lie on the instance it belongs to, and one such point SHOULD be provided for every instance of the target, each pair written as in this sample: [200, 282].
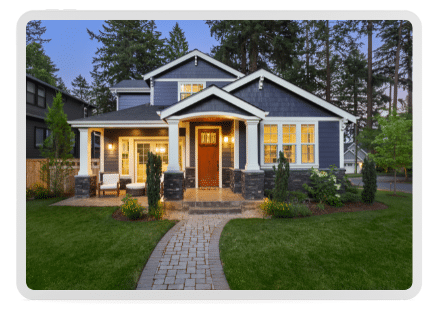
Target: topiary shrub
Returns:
[280, 191]
[153, 172]
[369, 179]
[131, 208]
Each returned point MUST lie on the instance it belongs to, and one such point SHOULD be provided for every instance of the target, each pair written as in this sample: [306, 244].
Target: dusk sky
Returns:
[72, 50]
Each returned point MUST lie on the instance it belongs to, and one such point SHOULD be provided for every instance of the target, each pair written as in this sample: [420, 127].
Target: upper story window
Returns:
[35, 95]
[186, 89]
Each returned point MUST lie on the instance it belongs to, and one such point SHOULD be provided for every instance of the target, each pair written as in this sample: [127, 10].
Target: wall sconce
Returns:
[225, 139]
[110, 146]
[232, 139]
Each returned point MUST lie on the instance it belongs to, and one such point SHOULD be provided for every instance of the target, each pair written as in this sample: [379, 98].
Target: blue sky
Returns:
[72, 50]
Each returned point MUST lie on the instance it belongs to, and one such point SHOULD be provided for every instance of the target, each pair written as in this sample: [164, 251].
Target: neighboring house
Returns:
[39, 97]
[214, 127]
[349, 153]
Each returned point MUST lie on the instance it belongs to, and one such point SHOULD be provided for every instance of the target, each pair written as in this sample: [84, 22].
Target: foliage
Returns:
[38, 191]
[334, 200]
[57, 147]
[100, 95]
[281, 191]
[177, 45]
[297, 196]
[131, 208]
[320, 206]
[153, 180]
[127, 49]
[350, 197]
[157, 211]
[34, 30]
[323, 187]
[39, 65]
[81, 88]
[369, 179]
[349, 186]
[394, 143]
[284, 210]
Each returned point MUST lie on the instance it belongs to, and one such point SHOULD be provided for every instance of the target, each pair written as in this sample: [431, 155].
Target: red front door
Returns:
[208, 158]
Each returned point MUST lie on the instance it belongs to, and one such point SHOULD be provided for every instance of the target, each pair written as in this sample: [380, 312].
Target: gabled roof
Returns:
[188, 56]
[131, 85]
[213, 90]
[141, 114]
[350, 147]
[295, 89]
[57, 89]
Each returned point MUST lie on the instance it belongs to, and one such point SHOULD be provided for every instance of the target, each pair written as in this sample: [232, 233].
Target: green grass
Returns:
[84, 248]
[342, 251]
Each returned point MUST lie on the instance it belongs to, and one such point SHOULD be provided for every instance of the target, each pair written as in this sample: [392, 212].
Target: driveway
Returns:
[384, 183]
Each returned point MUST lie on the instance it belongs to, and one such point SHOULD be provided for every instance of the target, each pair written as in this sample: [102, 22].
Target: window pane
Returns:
[270, 153]
[289, 133]
[197, 87]
[30, 98]
[39, 137]
[41, 102]
[213, 137]
[270, 133]
[41, 92]
[289, 153]
[30, 87]
[184, 95]
[308, 153]
[186, 88]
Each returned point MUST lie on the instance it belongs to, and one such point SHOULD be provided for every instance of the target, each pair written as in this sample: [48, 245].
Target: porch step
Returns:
[215, 210]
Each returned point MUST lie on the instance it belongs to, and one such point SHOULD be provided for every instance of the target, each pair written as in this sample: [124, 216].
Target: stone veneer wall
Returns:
[236, 181]
[85, 186]
[173, 186]
[226, 177]
[190, 177]
[253, 185]
[298, 177]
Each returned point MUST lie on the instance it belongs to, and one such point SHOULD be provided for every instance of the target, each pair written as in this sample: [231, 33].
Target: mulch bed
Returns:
[347, 207]
[118, 215]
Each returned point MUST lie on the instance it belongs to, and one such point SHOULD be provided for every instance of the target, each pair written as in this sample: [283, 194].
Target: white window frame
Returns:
[297, 123]
[185, 82]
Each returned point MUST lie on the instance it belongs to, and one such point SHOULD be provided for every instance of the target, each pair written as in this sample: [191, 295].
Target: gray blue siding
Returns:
[188, 69]
[213, 104]
[127, 101]
[329, 144]
[278, 101]
[165, 93]
[216, 83]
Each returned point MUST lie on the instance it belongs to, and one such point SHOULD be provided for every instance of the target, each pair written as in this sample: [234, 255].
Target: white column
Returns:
[236, 144]
[102, 150]
[173, 146]
[252, 146]
[85, 152]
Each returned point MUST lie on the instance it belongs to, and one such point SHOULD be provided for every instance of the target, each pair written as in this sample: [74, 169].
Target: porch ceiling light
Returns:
[110, 146]
[225, 139]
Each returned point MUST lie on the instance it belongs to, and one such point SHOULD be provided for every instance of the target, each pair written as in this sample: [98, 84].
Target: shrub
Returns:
[280, 192]
[38, 191]
[153, 174]
[131, 208]
[157, 211]
[324, 186]
[349, 187]
[297, 196]
[369, 179]
[283, 209]
[350, 197]
[334, 200]
[268, 193]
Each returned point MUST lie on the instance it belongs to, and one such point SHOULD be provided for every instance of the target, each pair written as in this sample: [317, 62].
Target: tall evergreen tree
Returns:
[81, 88]
[100, 95]
[34, 31]
[60, 85]
[176, 45]
[128, 50]
[39, 65]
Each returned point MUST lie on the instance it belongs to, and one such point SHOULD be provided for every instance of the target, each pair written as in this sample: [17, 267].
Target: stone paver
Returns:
[196, 264]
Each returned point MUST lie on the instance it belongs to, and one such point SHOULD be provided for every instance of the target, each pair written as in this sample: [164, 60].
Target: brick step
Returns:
[216, 210]
[211, 204]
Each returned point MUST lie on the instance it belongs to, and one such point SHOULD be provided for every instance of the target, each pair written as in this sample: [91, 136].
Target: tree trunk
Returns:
[397, 61]
[370, 77]
[327, 92]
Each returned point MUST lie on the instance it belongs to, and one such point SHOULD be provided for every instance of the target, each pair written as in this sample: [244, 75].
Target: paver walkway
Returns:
[187, 257]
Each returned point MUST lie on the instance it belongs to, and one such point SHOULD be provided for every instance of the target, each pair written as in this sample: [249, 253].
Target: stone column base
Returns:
[253, 185]
[85, 186]
[236, 181]
[173, 185]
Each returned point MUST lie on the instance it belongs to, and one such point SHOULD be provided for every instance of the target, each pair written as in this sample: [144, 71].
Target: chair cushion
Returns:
[110, 179]
[135, 186]
[108, 186]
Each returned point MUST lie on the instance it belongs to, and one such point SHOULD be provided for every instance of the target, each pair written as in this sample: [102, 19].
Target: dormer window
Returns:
[186, 89]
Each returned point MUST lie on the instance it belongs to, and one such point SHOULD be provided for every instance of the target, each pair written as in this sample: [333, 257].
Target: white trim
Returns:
[220, 152]
[214, 114]
[293, 88]
[236, 144]
[187, 164]
[298, 123]
[192, 82]
[213, 90]
[118, 124]
[341, 143]
[279, 119]
[152, 100]
[188, 56]
[195, 79]
[130, 89]
[252, 148]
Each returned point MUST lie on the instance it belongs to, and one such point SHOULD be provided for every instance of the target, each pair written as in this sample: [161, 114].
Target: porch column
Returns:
[252, 146]
[173, 165]
[85, 152]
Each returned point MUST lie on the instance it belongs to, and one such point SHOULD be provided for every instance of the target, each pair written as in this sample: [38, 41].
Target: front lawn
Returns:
[362, 250]
[84, 248]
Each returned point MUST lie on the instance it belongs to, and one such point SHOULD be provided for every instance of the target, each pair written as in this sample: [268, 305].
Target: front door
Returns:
[208, 157]
[141, 154]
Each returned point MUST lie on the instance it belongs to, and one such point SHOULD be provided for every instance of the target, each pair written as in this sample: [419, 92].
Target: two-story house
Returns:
[39, 97]
[214, 127]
